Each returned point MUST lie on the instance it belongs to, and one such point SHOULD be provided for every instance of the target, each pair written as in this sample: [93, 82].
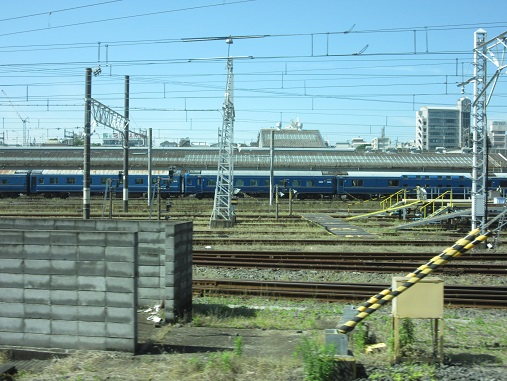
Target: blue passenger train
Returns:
[201, 184]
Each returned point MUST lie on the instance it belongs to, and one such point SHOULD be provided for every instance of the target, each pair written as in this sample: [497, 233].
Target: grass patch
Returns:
[264, 313]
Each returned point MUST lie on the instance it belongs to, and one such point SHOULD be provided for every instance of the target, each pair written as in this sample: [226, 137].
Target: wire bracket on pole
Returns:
[108, 117]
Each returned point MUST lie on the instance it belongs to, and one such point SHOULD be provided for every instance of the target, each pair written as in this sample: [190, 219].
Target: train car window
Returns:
[296, 183]
[503, 183]
[4, 182]
[41, 180]
[139, 181]
[71, 180]
[240, 182]
[393, 183]
[211, 183]
[264, 183]
[103, 180]
[53, 180]
[405, 176]
[357, 183]
[310, 183]
[253, 183]
[199, 182]
[440, 177]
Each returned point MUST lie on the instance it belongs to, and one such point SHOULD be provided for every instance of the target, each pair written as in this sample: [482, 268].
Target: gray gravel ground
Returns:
[455, 372]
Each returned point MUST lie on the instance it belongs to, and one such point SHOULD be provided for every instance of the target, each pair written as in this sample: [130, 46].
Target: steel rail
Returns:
[335, 262]
[462, 296]
[326, 255]
[294, 242]
[341, 265]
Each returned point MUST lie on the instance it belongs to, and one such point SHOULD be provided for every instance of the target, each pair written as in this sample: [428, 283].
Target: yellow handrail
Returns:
[393, 199]
[433, 203]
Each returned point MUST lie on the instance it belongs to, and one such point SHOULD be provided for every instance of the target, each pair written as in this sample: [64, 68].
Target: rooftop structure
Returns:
[201, 158]
[291, 138]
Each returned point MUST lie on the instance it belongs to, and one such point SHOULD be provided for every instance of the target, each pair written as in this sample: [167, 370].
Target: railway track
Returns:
[294, 242]
[364, 262]
[456, 296]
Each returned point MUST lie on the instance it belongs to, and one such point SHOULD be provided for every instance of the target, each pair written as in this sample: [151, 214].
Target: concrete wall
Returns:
[68, 289]
[80, 249]
[159, 242]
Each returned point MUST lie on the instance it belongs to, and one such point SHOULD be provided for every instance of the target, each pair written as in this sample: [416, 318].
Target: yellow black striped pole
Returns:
[385, 296]
[446, 255]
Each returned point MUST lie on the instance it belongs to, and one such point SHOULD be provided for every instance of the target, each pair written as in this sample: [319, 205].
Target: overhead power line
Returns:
[58, 11]
[126, 17]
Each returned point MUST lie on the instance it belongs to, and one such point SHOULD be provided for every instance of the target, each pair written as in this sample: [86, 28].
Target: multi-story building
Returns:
[443, 127]
[497, 134]
[381, 144]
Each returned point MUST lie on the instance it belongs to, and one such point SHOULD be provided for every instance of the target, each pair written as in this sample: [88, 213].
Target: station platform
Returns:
[338, 226]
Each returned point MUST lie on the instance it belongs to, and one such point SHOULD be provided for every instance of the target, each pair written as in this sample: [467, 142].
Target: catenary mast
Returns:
[485, 51]
[223, 211]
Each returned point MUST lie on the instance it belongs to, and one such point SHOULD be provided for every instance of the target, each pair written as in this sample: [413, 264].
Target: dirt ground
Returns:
[180, 340]
[188, 339]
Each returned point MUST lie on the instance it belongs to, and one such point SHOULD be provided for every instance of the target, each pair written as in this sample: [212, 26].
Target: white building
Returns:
[381, 144]
[447, 127]
[358, 142]
[497, 134]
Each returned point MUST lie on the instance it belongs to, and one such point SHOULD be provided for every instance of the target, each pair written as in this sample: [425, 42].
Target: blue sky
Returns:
[345, 68]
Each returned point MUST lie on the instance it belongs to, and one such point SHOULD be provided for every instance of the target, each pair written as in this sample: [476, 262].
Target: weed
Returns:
[197, 321]
[359, 338]
[238, 346]
[4, 356]
[318, 359]
[407, 333]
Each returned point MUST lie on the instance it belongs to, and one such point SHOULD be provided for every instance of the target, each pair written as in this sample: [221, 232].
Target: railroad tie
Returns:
[374, 303]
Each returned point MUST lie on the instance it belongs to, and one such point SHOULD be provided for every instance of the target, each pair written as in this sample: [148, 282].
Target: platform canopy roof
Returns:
[196, 158]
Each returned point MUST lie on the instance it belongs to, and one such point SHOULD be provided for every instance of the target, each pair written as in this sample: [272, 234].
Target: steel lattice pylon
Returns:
[479, 133]
[484, 52]
[223, 212]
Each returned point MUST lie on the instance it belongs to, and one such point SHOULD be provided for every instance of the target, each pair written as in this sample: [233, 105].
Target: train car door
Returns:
[32, 187]
[340, 185]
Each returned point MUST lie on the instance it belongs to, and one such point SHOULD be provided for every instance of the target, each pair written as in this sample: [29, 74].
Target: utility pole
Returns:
[271, 165]
[223, 212]
[87, 139]
[150, 140]
[126, 147]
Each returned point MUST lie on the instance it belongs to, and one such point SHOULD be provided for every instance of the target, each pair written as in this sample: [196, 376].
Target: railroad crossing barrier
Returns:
[374, 303]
